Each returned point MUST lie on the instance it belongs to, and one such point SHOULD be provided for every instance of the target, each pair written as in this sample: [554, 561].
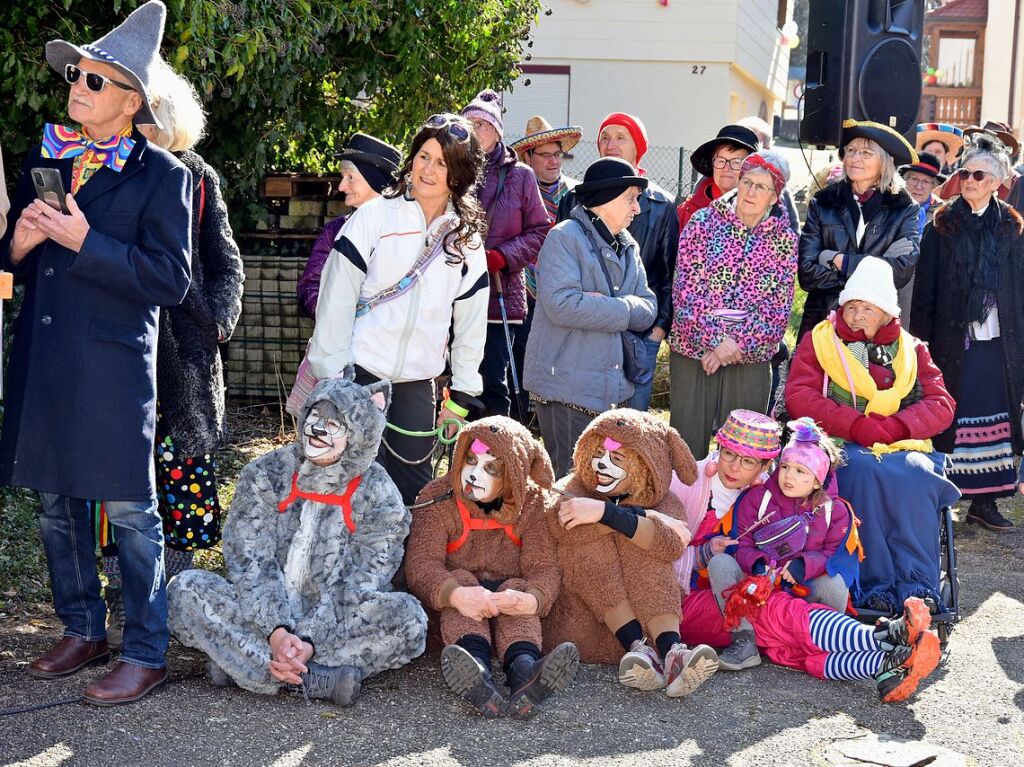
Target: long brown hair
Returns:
[465, 163]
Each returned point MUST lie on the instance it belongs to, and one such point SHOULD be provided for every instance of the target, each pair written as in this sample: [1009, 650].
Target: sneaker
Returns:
[115, 616]
[687, 669]
[468, 679]
[904, 668]
[338, 684]
[986, 514]
[641, 668]
[741, 654]
[217, 676]
[531, 682]
[916, 619]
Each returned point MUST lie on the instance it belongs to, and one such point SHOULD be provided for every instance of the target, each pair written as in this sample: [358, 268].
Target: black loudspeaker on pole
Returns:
[863, 62]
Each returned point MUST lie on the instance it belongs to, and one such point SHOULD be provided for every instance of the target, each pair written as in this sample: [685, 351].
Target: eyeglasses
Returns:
[746, 183]
[978, 175]
[93, 81]
[549, 155]
[861, 153]
[720, 162]
[919, 180]
[450, 123]
[748, 463]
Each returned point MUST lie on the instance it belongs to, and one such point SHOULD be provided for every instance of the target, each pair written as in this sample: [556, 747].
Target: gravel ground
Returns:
[765, 716]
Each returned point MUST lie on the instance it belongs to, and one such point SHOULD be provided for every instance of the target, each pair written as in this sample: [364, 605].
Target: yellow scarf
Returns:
[843, 368]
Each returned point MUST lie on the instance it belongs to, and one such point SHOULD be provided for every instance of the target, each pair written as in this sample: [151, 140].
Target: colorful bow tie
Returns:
[61, 142]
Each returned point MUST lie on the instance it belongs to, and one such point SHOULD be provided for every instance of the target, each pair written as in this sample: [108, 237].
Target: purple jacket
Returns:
[518, 227]
[822, 542]
[308, 286]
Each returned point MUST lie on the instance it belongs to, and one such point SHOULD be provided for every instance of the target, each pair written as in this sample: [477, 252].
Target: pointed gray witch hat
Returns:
[133, 47]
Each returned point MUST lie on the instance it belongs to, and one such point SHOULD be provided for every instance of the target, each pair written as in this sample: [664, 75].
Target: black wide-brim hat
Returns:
[927, 164]
[730, 134]
[609, 173]
[897, 146]
[365, 148]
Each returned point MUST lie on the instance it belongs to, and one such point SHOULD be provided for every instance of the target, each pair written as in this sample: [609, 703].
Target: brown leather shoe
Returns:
[126, 683]
[68, 656]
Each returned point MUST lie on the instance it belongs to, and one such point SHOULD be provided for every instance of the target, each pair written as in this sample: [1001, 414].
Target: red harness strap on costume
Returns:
[344, 500]
[469, 524]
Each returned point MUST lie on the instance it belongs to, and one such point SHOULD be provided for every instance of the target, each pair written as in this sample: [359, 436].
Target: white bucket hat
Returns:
[872, 281]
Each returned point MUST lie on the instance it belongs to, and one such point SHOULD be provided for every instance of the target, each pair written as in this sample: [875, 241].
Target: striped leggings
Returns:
[853, 651]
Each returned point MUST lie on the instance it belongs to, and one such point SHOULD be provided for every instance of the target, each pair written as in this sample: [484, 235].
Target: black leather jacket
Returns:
[831, 225]
[656, 230]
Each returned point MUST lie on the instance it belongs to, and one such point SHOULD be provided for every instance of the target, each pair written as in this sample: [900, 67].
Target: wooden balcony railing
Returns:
[958, 106]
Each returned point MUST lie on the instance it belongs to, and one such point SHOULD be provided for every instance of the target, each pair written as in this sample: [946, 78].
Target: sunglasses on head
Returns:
[93, 81]
[450, 123]
[978, 175]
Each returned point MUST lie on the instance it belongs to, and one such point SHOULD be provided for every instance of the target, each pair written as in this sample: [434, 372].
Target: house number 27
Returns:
[698, 69]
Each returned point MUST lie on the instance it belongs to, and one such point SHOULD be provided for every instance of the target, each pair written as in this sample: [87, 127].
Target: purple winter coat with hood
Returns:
[518, 227]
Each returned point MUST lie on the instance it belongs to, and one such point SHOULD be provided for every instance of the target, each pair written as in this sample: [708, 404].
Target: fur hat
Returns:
[133, 47]
[657, 445]
[524, 458]
[872, 281]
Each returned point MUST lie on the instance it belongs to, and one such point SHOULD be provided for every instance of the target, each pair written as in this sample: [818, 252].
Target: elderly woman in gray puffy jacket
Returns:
[591, 287]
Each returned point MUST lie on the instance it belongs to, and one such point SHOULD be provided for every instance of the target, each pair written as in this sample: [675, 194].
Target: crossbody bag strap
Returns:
[600, 256]
[502, 174]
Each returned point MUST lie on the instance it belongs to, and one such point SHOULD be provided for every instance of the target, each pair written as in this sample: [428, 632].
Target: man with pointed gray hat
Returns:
[80, 412]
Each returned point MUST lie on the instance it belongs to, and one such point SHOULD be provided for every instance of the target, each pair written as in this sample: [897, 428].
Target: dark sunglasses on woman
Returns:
[450, 123]
[979, 175]
[93, 81]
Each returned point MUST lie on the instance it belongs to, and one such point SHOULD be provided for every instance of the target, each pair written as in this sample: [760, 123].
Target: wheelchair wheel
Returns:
[949, 581]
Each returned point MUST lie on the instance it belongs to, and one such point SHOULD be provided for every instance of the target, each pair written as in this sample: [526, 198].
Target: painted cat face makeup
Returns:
[324, 434]
[483, 475]
[606, 464]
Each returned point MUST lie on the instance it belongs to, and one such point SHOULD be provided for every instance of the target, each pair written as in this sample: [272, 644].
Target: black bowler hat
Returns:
[372, 150]
[606, 179]
[897, 146]
[927, 164]
[730, 134]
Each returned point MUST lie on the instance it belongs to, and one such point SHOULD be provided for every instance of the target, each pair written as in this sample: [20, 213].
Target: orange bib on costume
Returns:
[469, 524]
[344, 500]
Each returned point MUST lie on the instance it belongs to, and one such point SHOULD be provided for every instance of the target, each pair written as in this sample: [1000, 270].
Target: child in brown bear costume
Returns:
[480, 553]
[618, 535]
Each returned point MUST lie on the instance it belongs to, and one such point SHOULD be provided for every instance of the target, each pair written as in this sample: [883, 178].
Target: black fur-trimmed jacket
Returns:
[936, 315]
[190, 378]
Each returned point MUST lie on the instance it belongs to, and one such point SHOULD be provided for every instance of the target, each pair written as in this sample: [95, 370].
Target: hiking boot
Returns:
[338, 684]
[904, 668]
[217, 676]
[469, 679]
[986, 514]
[531, 682]
[641, 668]
[890, 633]
[741, 654]
[115, 615]
[687, 669]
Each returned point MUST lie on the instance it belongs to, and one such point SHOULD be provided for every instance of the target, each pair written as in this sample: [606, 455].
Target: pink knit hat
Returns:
[486, 106]
[748, 433]
[804, 448]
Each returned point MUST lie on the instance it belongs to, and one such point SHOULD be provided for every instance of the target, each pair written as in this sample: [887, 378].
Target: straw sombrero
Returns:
[539, 131]
[948, 135]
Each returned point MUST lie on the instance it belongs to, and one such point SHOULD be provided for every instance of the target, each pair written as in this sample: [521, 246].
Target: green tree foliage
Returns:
[284, 81]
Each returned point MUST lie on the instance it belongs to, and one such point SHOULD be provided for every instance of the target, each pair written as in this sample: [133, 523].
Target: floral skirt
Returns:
[983, 452]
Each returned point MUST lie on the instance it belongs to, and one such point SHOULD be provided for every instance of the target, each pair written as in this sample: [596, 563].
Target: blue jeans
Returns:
[641, 399]
[496, 397]
[68, 539]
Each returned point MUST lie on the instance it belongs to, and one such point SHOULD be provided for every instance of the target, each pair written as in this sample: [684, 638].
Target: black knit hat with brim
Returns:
[606, 179]
[892, 142]
[736, 135]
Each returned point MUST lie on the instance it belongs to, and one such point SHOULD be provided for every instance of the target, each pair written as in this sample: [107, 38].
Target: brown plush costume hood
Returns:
[651, 439]
[524, 458]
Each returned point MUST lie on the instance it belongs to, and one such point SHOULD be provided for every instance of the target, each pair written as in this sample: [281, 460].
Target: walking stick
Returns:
[508, 343]
[6, 293]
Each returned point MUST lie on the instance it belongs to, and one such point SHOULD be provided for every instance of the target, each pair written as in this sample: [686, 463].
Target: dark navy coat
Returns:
[80, 409]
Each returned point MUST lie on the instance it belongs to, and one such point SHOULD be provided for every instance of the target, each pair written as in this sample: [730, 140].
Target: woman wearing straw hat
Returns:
[867, 213]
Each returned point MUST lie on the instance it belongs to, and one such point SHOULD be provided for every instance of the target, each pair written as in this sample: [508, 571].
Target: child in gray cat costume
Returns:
[314, 536]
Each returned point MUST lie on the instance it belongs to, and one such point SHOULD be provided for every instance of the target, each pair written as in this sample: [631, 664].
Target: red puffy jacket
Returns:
[929, 416]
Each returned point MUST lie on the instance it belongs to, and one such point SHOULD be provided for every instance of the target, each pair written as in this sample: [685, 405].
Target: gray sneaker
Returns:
[741, 654]
[338, 684]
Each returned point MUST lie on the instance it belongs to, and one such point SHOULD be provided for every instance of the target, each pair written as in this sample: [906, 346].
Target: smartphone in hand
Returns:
[50, 188]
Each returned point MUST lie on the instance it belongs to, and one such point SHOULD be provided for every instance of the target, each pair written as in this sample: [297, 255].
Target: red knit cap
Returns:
[636, 129]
